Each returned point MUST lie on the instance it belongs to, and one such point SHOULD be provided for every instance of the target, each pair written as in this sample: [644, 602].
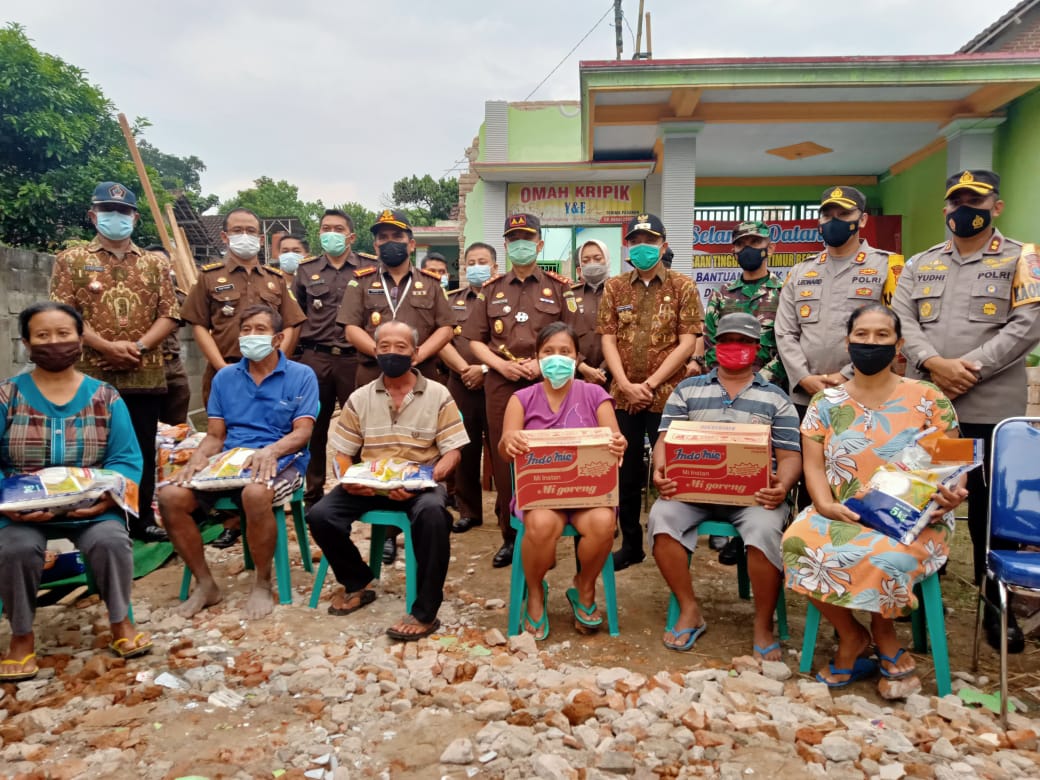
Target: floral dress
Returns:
[848, 564]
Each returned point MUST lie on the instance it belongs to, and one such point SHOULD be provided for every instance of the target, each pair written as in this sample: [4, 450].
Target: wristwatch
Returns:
[483, 368]
[141, 347]
[698, 359]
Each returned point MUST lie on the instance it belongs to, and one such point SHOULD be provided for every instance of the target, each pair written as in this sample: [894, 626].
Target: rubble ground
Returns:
[305, 694]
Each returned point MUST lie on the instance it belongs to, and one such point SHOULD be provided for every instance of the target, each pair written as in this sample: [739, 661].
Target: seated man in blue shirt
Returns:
[731, 392]
[266, 403]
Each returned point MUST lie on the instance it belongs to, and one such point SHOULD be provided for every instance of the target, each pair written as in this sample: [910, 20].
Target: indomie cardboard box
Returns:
[717, 463]
[567, 468]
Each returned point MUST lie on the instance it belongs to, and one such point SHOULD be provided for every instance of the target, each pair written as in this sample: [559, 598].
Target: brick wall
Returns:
[25, 279]
[1022, 36]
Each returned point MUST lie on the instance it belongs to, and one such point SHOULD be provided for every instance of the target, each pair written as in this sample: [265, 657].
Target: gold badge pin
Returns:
[221, 279]
[546, 291]
[966, 178]
[926, 309]
[989, 309]
[418, 285]
[667, 298]
[499, 327]
[926, 291]
[272, 286]
[377, 284]
[315, 277]
[376, 318]
[991, 288]
[978, 222]
[500, 295]
[806, 293]
[806, 310]
[458, 330]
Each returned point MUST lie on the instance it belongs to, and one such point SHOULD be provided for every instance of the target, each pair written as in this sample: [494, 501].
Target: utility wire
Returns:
[592, 29]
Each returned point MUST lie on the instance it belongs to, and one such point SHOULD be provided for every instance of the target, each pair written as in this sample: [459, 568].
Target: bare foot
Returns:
[260, 602]
[203, 596]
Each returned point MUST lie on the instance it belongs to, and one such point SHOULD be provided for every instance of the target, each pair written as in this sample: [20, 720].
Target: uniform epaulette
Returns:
[455, 292]
[212, 266]
[494, 278]
[561, 279]
[309, 259]
[576, 285]
[367, 256]
[371, 269]
[431, 274]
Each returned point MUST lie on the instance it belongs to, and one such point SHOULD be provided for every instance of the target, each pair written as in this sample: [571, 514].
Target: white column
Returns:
[678, 188]
[496, 149]
[969, 143]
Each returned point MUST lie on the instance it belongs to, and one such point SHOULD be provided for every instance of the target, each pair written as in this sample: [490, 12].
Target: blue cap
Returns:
[115, 193]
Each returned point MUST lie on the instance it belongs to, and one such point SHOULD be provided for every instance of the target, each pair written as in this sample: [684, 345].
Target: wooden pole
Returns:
[146, 184]
[183, 263]
[649, 43]
[639, 32]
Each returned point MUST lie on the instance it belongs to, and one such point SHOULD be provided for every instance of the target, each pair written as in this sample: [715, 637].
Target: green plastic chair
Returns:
[380, 520]
[518, 583]
[720, 528]
[929, 625]
[281, 546]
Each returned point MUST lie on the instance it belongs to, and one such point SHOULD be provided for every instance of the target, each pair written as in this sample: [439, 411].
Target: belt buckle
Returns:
[337, 351]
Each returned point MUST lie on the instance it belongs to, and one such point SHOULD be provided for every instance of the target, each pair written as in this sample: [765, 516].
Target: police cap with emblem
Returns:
[394, 217]
[846, 197]
[528, 223]
[114, 194]
[980, 181]
[645, 223]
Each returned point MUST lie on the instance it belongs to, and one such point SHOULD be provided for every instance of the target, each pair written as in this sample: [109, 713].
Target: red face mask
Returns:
[735, 356]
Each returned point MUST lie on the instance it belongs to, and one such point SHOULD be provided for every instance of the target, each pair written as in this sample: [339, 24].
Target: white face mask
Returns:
[244, 246]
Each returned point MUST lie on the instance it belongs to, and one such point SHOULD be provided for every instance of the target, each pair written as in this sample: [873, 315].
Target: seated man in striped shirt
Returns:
[731, 392]
[404, 415]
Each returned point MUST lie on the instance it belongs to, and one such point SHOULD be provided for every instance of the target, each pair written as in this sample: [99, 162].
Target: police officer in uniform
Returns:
[964, 333]
[226, 289]
[466, 383]
[395, 290]
[511, 309]
[319, 285]
[820, 294]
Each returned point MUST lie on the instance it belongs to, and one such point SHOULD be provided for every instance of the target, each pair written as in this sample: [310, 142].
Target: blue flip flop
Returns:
[692, 634]
[582, 613]
[541, 626]
[893, 660]
[764, 651]
[864, 667]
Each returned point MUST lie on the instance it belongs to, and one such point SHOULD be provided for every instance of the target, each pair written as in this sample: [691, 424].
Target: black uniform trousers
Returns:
[468, 492]
[336, 374]
[632, 475]
[144, 415]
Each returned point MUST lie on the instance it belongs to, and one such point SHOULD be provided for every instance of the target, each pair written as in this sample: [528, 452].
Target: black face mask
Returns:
[837, 232]
[966, 221]
[871, 359]
[393, 253]
[750, 258]
[393, 364]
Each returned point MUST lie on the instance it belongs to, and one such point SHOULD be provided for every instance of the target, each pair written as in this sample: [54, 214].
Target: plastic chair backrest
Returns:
[1015, 481]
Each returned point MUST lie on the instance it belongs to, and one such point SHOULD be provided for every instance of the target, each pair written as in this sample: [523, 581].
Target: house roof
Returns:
[998, 27]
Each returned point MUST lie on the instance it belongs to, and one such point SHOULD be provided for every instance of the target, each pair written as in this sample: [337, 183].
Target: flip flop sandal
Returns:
[18, 676]
[864, 667]
[692, 634]
[538, 625]
[134, 649]
[583, 614]
[403, 636]
[764, 651]
[364, 597]
[893, 660]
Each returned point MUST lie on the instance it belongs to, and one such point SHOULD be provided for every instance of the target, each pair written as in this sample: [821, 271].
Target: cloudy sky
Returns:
[343, 98]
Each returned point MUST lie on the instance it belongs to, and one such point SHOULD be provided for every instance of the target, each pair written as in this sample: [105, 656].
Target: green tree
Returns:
[363, 220]
[270, 198]
[179, 173]
[426, 200]
[58, 139]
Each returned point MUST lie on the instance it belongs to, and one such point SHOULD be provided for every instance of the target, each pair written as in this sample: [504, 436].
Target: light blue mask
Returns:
[522, 252]
[444, 281]
[476, 275]
[289, 261]
[255, 347]
[558, 369]
[115, 226]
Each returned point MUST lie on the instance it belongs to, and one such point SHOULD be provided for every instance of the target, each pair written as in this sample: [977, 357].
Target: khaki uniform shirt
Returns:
[224, 290]
[511, 311]
[648, 321]
[319, 288]
[815, 303]
[960, 307]
[464, 302]
[588, 297]
[120, 298]
[419, 300]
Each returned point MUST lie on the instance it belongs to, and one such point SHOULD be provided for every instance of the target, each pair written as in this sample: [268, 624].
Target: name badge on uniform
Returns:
[373, 291]
[222, 287]
[97, 269]
[627, 307]
[547, 300]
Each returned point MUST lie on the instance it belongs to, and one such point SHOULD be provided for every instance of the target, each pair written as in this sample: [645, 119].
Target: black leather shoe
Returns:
[730, 554]
[504, 556]
[390, 549]
[227, 538]
[1016, 640]
[151, 533]
[463, 524]
[625, 557]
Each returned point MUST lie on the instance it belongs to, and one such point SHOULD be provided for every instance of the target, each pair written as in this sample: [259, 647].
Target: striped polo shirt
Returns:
[427, 425]
[704, 399]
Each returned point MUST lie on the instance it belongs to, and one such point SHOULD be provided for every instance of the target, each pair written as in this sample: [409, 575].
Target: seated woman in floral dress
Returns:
[839, 564]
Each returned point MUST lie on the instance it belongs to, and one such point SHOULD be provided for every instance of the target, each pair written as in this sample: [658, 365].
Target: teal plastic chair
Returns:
[720, 528]
[518, 584]
[380, 520]
[929, 625]
[281, 545]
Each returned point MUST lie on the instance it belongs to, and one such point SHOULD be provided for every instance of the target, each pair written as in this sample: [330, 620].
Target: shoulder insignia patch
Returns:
[561, 279]
[212, 266]
[309, 259]
[368, 256]
[431, 274]
[494, 278]
[365, 271]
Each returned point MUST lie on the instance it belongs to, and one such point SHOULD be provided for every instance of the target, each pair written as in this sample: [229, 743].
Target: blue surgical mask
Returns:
[289, 261]
[644, 256]
[476, 275]
[115, 226]
[558, 369]
[521, 252]
[333, 243]
[255, 347]
[444, 281]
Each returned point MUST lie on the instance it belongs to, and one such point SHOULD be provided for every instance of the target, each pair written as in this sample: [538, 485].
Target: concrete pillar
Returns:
[496, 149]
[678, 189]
[969, 143]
